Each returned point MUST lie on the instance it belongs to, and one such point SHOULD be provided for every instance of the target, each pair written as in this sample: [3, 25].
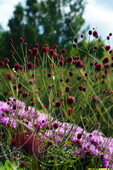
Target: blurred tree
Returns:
[16, 22]
[49, 18]
[45, 21]
[16, 26]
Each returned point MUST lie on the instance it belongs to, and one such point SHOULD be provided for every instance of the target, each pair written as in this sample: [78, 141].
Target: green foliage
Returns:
[9, 166]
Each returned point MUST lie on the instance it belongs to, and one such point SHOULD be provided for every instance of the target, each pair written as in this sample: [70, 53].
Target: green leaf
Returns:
[7, 164]
[2, 168]
[1, 164]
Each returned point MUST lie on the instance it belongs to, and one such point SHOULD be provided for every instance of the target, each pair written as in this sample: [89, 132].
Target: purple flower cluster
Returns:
[17, 109]
[83, 143]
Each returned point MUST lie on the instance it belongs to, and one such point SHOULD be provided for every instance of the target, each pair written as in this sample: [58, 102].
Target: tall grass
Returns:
[66, 89]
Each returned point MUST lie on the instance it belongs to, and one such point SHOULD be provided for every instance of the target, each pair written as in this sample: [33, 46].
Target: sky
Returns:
[98, 14]
[6, 10]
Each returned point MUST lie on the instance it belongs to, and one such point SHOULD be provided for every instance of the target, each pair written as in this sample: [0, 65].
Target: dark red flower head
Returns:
[98, 67]
[36, 45]
[10, 41]
[70, 73]
[67, 89]
[67, 80]
[90, 32]
[19, 85]
[91, 64]
[60, 57]
[63, 51]
[6, 93]
[37, 59]
[95, 48]
[25, 44]
[17, 67]
[49, 75]
[58, 104]
[76, 58]
[21, 91]
[86, 74]
[105, 60]
[79, 77]
[84, 88]
[29, 52]
[51, 86]
[32, 75]
[105, 91]
[80, 107]
[75, 40]
[70, 100]
[95, 99]
[107, 48]
[22, 164]
[103, 76]
[14, 86]
[70, 59]
[1, 64]
[108, 37]
[61, 63]
[74, 45]
[9, 76]
[35, 51]
[51, 51]
[78, 142]
[110, 51]
[6, 60]
[11, 52]
[21, 40]
[95, 34]
[45, 49]
[30, 65]
[58, 94]
[79, 63]
[46, 45]
[55, 46]
[61, 80]
[31, 82]
[106, 65]
[80, 87]
[24, 95]
[82, 36]
[107, 71]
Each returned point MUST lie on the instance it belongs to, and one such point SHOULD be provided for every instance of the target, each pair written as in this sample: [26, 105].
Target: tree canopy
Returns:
[44, 22]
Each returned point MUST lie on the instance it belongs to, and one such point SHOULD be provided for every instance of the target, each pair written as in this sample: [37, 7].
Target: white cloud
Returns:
[6, 10]
[99, 17]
